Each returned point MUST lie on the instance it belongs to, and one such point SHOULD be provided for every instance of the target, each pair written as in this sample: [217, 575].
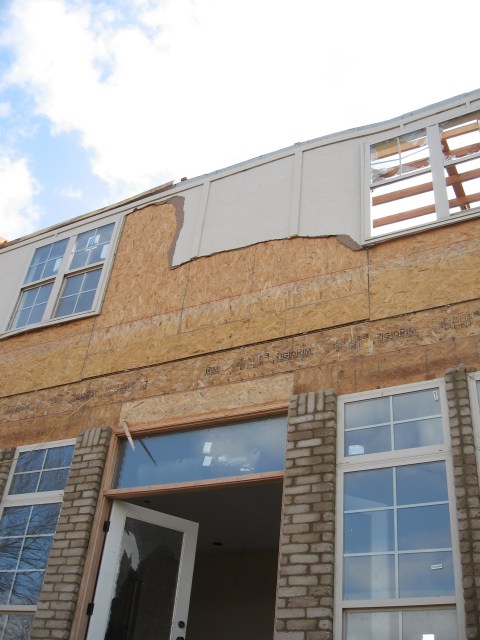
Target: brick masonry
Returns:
[58, 598]
[467, 492]
[304, 607]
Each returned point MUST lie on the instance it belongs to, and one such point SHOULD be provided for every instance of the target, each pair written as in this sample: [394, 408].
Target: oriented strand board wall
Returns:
[153, 313]
[393, 313]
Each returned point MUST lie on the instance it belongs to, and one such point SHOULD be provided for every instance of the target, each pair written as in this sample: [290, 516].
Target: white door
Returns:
[145, 577]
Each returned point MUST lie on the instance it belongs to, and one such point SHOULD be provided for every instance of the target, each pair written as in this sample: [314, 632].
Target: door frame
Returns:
[107, 575]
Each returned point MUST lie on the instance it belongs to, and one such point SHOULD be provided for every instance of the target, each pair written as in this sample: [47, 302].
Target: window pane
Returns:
[416, 404]
[53, 480]
[44, 519]
[35, 553]
[369, 577]
[424, 528]
[233, 450]
[78, 293]
[14, 521]
[9, 552]
[91, 246]
[367, 412]
[370, 440]
[16, 627]
[368, 489]
[59, 457]
[369, 531]
[27, 311]
[6, 581]
[30, 460]
[27, 587]
[434, 624]
[378, 625]
[85, 302]
[46, 261]
[24, 483]
[425, 574]
[420, 483]
[421, 433]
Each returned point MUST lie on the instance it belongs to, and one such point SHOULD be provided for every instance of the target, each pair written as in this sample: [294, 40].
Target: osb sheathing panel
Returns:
[383, 353]
[234, 396]
[426, 241]
[53, 334]
[142, 284]
[43, 365]
[425, 279]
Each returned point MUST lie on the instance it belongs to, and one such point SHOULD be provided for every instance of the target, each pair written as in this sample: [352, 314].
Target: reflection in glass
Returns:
[368, 489]
[15, 627]
[413, 624]
[149, 554]
[425, 574]
[369, 577]
[232, 450]
[416, 404]
[371, 440]
[26, 535]
[367, 412]
[421, 433]
[36, 470]
[417, 483]
[425, 527]
[369, 531]
[377, 625]
[91, 246]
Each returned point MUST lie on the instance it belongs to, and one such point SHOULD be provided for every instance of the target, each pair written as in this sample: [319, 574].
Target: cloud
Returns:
[71, 193]
[161, 89]
[18, 213]
[5, 109]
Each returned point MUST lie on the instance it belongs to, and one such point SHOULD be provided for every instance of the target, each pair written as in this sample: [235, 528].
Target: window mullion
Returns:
[52, 301]
[438, 175]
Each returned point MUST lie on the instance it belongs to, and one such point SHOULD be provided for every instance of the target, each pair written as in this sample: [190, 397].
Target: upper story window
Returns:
[397, 548]
[64, 278]
[425, 176]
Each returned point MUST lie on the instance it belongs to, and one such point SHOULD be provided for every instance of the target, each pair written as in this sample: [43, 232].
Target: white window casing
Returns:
[59, 276]
[378, 546]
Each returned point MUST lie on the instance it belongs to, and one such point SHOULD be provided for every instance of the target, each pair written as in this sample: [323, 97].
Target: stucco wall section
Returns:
[304, 607]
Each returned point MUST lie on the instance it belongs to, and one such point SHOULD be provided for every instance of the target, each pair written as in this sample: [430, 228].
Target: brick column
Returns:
[304, 608]
[58, 598]
[467, 493]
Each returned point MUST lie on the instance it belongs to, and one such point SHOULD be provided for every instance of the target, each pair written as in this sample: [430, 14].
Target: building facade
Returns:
[247, 405]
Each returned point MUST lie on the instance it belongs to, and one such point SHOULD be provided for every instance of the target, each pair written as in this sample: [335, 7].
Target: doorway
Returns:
[235, 571]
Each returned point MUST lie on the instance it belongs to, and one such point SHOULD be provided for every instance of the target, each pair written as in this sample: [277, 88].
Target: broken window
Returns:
[426, 175]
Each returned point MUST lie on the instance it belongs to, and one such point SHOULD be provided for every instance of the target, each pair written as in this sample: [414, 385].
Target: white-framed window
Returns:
[424, 176]
[28, 518]
[65, 275]
[398, 566]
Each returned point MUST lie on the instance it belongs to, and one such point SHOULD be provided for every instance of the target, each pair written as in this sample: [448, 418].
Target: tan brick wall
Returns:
[59, 594]
[467, 492]
[304, 608]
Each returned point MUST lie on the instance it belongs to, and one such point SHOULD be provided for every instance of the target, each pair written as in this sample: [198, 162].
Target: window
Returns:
[29, 514]
[474, 386]
[425, 176]
[396, 544]
[63, 278]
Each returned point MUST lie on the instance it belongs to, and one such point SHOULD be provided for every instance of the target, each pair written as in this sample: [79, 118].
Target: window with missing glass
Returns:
[29, 513]
[397, 545]
[425, 176]
[64, 278]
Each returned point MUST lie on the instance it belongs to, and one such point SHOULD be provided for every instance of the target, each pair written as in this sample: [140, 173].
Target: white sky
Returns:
[102, 100]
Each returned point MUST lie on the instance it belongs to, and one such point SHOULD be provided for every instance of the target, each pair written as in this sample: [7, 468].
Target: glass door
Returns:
[145, 577]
